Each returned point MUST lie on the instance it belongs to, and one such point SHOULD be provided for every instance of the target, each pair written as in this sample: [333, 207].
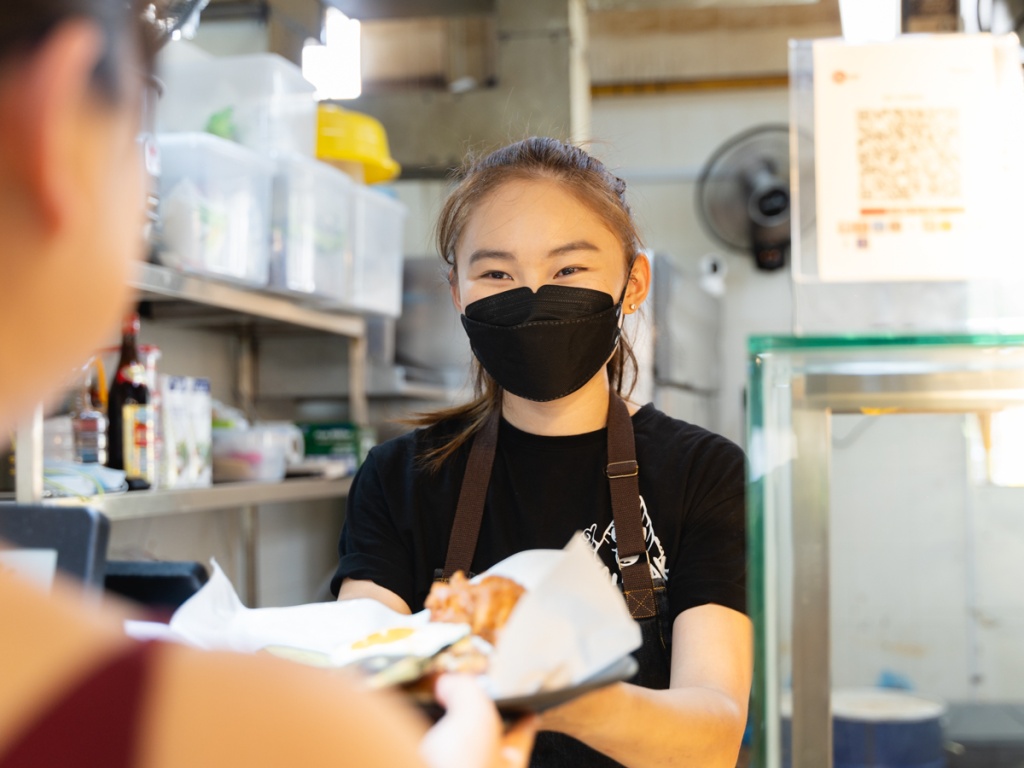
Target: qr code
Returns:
[909, 154]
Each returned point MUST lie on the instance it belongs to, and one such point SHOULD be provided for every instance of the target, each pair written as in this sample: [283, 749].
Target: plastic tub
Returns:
[215, 207]
[878, 728]
[312, 230]
[260, 100]
[377, 283]
[247, 454]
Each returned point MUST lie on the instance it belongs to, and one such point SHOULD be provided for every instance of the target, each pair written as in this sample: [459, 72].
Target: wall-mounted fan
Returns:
[743, 194]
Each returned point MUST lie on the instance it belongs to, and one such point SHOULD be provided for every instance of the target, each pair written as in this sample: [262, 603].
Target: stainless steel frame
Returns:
[812, 687]
[814, 398]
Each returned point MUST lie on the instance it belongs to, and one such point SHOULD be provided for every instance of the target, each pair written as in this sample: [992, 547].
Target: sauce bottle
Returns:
[131, 423]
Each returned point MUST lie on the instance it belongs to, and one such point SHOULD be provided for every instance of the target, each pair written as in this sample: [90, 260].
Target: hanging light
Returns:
[870, 21]
[334, 66]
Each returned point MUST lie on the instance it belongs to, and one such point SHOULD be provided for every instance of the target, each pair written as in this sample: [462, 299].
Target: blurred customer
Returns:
[75, 690]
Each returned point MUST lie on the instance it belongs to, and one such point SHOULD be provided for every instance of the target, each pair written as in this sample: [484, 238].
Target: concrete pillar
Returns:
[542, 88]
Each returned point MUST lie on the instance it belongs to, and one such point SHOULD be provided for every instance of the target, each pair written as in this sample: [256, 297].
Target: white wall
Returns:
[925, 560]
[899, 555]
[231, 38]
[658, 144]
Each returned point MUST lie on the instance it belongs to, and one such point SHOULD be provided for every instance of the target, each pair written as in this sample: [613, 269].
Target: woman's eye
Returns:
[495, 275]
[566, 271]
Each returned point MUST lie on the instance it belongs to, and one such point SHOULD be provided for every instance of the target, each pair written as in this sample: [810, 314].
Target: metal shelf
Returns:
[932, 392]
[160, 284]
[200, 301]
[416, 390]
[206, 301]
[183, 500]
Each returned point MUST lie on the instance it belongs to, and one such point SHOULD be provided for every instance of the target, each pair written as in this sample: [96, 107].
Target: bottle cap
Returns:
[130, 325]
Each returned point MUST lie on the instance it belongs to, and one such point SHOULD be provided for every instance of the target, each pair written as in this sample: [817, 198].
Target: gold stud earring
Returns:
[632, 307]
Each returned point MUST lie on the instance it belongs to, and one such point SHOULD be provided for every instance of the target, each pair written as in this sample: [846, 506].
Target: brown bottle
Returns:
[130, 430]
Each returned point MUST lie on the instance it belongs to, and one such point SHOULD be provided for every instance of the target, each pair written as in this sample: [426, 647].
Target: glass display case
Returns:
[886, 537]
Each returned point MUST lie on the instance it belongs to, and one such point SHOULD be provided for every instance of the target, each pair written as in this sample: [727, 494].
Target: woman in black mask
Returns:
[544, 261]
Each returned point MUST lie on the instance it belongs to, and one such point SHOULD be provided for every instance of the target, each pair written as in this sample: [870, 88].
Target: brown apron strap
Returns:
[623, 472]
[469, 512]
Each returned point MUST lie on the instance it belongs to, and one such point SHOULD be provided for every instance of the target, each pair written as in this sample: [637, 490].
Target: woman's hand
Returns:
[471, 735]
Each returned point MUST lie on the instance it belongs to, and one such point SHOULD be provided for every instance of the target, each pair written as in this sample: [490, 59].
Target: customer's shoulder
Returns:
[202, 713]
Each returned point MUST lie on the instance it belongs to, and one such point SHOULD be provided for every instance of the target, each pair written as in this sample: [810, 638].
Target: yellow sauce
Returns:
[392, 635]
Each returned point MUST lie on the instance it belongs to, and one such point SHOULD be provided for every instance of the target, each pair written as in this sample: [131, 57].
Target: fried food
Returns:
[485, 606]
[468, 656]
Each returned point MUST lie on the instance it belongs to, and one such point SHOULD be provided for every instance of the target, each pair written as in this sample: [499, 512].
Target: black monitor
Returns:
[79, 535]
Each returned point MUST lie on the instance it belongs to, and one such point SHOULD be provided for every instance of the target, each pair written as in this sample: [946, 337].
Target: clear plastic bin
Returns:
[215, 207]
[312, 230]
[260, 100]
[379, 222]
[247, 454]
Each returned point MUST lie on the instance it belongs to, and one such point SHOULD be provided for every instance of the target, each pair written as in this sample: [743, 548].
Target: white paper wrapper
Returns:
[569, 625]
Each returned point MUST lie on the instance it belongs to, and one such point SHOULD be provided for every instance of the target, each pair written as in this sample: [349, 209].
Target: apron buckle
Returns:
[617, 469]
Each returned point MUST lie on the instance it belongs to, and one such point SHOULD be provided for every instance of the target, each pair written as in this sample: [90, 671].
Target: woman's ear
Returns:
[638, 285]
[53, 93]
[453, 286]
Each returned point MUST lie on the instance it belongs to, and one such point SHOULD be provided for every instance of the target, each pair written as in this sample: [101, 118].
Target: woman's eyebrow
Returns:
[487, 253]
[576, 245]
[484, 253]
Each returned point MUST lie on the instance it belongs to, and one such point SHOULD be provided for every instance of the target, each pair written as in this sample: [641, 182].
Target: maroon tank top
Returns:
[96, 724]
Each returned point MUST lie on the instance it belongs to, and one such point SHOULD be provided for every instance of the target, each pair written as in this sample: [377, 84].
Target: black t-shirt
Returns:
[544, 489]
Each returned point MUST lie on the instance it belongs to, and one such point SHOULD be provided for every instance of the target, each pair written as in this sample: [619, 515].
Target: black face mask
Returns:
[545, 345]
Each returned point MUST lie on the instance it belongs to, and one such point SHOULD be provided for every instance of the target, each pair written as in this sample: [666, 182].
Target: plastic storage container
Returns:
[215, 207]
[260, 100]
[247, 454]
[377, 283]
[312, 230]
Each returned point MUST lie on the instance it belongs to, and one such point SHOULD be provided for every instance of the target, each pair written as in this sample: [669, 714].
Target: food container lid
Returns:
[347, 136]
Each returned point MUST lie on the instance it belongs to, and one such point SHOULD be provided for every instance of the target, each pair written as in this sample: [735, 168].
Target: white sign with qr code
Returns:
[917, 158]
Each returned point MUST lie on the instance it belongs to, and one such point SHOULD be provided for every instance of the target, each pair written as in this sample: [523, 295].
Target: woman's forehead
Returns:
[532, 208]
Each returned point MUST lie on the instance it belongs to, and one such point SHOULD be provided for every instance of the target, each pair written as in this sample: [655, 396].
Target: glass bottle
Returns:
[89, 426]
[131, 423]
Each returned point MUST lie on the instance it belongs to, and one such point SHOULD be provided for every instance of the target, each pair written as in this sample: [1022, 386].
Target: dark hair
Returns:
[583, 176]
[25, 24]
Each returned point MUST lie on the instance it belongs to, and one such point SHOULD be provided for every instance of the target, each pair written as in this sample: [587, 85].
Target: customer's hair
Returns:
[590, 182]
[128, 40]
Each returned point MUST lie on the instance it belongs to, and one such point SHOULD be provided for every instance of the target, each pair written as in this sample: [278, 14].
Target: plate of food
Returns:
[484, 607]
[539, 628]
